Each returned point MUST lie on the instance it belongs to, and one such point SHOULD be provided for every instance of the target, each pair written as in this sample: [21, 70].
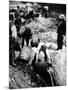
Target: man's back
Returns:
[62, 28]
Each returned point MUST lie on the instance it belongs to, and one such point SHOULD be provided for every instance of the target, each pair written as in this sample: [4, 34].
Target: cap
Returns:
[46, 7]
[62, 16]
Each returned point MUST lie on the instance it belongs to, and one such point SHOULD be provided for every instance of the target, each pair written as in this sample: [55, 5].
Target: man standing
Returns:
[61, 31]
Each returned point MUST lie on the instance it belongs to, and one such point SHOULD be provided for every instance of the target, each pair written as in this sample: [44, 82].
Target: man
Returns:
[41, 54]
[14, 31]
[44, 11]
[61, 31]
[27, 35]
[17, 19]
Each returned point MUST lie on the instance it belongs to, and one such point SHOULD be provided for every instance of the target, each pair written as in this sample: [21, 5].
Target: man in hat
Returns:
[45, 10]
[61, 31]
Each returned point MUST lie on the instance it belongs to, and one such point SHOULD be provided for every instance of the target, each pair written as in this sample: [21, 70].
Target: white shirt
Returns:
[14, 31]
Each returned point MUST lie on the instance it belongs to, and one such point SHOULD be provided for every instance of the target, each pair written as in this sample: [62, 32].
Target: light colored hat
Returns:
[46, 7]
[62, 16]
[28, 4]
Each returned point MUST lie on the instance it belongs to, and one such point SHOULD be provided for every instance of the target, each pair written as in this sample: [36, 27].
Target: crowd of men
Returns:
[18, 19]
[25, 48]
